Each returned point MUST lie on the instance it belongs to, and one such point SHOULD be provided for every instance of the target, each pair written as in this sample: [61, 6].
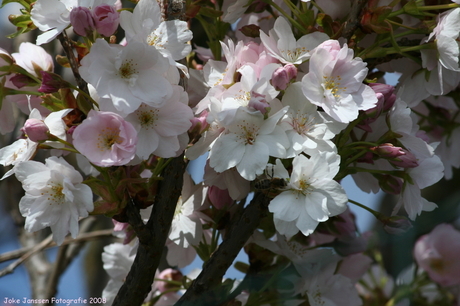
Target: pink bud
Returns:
[387, 91]
[437, 253]
[106, 18]
[258, 102]
[126, 229]
[51, 82]
[283, 76]
[168, 275]
[408, 160]
[199, 124]
[390, 184]
[82, 21]
[219, 198]
[20, 80]
[388, 150]
[35, 129]
[397, 225]
[396, 155]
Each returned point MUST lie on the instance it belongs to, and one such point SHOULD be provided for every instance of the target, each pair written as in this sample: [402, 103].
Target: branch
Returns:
[354, 18]
[203, 289]
[66, 255]
[140, 278]
[67, 46]
[82, 237]
[37, 248]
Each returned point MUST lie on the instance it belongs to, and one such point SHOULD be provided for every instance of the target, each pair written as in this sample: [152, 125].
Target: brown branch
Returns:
[354, 18]
[67, 46]
[204, 289]
[37, 248]
[82, 237]
[140, 278]
[66, 255]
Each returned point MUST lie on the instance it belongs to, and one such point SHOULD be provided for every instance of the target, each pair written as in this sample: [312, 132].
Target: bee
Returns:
[271, 185]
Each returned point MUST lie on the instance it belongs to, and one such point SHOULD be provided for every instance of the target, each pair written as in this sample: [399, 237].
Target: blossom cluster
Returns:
[288, 109]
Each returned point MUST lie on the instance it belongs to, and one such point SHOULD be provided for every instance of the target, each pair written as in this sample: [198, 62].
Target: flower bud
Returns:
[35, 129]
[219, 198]
[51, 82]
[388, 150]
[199, 124]
[20, 80]
[168, 275]
[82, 21]
[258, 102]
[397, 225]
[396, 155]
[283, 76]
[390, 184]
[106, 18]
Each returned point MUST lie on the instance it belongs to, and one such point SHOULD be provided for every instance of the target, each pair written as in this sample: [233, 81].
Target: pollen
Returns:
[128, 71]
[147, 117]
[55, 194]
[304, 186]
[302, 123]
[293, 55]
[154, 40]
[332, 84]
[107, 138]
[248, 133]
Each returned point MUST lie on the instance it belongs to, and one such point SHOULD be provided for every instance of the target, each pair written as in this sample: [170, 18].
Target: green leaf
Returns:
[210, 12]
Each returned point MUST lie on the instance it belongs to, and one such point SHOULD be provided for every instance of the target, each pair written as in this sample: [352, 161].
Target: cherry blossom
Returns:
[334, 82]
[162, 125]
[128, 75]
[106, 139]
[249, 142]
[55, 197]
[145, 25]
[53, 16]
[282, 44]
[436, 253]
[312, 194]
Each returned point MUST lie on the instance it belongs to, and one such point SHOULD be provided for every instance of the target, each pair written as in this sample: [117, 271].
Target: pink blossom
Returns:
[106, 139]
[437, 253]
[106, 19]
[220, 198]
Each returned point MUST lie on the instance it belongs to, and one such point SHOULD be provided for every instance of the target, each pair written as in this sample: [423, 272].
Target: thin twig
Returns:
[81, 238]
[39, 247]
[67, 46]
[354, 18]
[66, 255]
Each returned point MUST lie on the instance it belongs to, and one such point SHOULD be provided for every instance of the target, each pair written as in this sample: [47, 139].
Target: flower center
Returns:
[107, 138]
[303, 185]
[128, 71]
[302, 123]
[147, 117]
[332, 85]
[248, 133]
[293, 55]
[154, 39]
[55, 194]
